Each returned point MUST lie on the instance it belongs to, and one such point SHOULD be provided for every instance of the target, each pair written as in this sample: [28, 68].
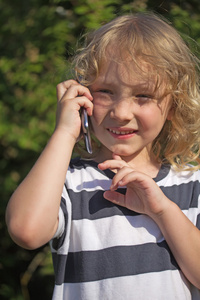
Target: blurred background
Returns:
[37, 39]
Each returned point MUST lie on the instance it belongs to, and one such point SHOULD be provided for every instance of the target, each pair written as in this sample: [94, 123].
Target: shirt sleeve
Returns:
[61, 231]
[61, 225]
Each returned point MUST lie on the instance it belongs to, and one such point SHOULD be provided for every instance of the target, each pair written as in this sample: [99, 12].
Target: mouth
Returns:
[122, 133]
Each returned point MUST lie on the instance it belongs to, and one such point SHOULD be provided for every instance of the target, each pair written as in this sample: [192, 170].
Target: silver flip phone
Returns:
[85, 130]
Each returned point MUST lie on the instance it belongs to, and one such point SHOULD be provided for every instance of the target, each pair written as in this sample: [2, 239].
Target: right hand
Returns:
[71, 97]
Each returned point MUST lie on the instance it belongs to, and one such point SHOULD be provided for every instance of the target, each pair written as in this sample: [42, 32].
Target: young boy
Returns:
[126, 223]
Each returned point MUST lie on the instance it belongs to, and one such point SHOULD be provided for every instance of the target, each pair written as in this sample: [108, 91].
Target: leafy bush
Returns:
[37, 38]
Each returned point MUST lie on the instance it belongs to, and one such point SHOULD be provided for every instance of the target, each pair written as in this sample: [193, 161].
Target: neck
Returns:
[143, 161]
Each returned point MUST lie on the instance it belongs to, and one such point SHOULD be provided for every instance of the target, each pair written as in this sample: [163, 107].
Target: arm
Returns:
[183, 239]
[144, 196]
[32, 211]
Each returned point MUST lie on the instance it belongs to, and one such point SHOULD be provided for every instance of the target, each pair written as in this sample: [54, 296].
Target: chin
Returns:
[122, 152]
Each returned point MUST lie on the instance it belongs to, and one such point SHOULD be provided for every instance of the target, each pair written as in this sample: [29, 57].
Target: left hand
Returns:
[143, 195]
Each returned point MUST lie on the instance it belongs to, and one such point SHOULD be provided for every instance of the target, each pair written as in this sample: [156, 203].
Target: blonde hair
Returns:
[148, 38]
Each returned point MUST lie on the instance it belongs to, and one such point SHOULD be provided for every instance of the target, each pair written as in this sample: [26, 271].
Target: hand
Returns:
[71, 97]
[143, 195]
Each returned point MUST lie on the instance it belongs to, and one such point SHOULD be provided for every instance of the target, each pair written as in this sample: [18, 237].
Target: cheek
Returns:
[98, 115]
[152, 119]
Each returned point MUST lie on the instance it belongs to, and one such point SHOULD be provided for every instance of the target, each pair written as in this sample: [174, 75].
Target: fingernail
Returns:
[113, 187]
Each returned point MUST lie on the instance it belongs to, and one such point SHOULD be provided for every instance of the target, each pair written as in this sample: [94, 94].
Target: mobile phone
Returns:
[85, 130]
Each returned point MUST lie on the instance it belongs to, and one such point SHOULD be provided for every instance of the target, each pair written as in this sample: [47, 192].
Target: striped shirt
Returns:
[102, 251]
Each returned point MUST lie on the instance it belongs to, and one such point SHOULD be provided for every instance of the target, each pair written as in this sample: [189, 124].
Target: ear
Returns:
[169, 116]
[171, 112]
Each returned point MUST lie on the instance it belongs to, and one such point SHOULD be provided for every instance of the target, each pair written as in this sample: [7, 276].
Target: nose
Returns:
[122, 110]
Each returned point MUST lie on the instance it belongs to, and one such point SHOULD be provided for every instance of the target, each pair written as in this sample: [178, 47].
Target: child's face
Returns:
[128, 114]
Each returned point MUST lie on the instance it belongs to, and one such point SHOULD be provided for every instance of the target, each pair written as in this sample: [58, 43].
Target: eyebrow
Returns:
[146, 86]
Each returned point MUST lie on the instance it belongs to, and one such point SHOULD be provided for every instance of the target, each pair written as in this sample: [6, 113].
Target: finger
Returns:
[112, 164]
[63, 87]
[71, 89]
[120, 178]
[115, 197]
[136, 179]
[78, 90]
[116, 156]
[83, 101]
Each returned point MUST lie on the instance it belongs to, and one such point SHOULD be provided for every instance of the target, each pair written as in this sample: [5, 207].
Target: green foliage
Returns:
[37, 38]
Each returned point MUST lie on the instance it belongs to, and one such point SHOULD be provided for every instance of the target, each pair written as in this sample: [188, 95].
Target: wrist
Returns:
[166, 213]
[64, 135]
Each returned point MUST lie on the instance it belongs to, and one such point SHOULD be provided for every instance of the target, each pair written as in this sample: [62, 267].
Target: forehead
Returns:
[127, 72]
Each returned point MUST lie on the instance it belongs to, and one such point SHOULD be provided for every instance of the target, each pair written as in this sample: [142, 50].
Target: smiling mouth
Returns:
[121, 132]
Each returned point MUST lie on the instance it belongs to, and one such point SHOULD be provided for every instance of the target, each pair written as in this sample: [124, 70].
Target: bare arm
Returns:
[183, 239]
[144, 196]
[32, 212]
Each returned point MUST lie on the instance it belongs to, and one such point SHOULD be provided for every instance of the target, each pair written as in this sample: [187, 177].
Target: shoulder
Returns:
[186, 175]
[82, 167]
[182, 187]
[169, 174]
[86, 174]
[79, 163]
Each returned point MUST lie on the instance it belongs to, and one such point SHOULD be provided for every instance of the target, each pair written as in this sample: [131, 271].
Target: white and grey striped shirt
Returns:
[102, 251]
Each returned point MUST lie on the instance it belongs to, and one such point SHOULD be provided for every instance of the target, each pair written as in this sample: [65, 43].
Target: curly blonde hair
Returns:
[151, 39]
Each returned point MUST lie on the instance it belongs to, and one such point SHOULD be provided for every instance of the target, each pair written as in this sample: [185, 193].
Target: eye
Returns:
[144, 98]
[102, 95]
[105, 91]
